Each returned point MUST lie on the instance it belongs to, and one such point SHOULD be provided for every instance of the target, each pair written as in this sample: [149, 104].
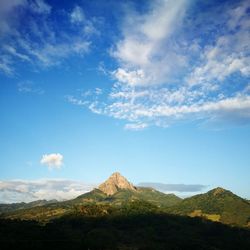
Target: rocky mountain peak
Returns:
[217, 191]
[115, 182]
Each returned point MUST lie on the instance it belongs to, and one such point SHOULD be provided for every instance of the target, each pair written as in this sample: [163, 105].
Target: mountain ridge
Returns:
[116, 192]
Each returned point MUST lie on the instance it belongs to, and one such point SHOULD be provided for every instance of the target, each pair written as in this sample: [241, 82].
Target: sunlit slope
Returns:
[217, 205]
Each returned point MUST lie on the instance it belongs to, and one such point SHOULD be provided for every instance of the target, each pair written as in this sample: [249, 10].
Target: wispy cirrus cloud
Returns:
[29, 87]
[38, 41]
[176, 65]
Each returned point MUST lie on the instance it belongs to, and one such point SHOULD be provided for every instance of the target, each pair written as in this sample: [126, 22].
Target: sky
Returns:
[157, 90]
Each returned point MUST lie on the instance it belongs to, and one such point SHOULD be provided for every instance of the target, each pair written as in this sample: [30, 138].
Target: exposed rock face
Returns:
[114, 182]
[218, 191]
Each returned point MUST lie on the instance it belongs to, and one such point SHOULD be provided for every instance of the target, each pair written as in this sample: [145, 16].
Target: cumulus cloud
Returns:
[144, 48]
[26, 191]
[52, 160]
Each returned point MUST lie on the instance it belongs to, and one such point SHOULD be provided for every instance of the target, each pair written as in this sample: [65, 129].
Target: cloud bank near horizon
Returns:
[14, 191]
[174, 187]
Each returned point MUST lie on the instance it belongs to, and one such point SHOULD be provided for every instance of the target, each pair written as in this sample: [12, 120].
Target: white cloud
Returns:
[5, 65]
[27, 191]
[163, 106]
[135, 126]
[132, 77]
[144, 52]
[6, 9]
[77, 15]
[173, 66]
[52, 160]
[12, 51]
[98, 91]
[75, 101]
[9, 10]
[39, 43]
[40, 6]
[230, 53]
[29, 87]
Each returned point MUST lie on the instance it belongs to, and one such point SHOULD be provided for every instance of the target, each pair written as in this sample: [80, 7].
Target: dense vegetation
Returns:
[145, 194]
[4, 208]
[129, 220]
[95, 197]
[218, 205]
[134, 225]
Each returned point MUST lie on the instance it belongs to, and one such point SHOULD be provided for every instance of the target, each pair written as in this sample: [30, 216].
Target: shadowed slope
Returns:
[137, 225]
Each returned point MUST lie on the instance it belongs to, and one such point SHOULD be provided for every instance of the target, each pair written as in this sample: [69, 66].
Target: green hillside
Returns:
[137, 225]
[125, 195]
[217, 205]
[4, 208]
[144, 219]
[95, 198]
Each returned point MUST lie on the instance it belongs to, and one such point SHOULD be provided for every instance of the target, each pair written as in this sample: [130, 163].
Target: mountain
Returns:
[217, 205]
[116, 191]
[115, 182]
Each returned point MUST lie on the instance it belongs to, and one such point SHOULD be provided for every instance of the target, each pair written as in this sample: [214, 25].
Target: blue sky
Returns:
[158, 90]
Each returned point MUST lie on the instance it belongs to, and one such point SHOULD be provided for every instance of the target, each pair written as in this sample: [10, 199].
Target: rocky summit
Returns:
[115, 182]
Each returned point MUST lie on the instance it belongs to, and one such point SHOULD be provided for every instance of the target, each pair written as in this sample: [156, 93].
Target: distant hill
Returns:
[217, 205]
[4, 208]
